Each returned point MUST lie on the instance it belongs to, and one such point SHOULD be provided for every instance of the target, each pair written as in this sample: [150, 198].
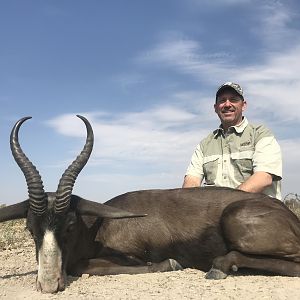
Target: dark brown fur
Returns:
[195, 226]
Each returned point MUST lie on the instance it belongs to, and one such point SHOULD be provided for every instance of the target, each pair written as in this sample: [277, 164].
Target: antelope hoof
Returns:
[215, 274]
[175, 265]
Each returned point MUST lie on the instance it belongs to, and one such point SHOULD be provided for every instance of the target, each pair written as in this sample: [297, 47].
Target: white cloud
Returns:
[187, 56]
[155, 136]
[274, 81]
[148, 149]
[273, 87]
[273, 19]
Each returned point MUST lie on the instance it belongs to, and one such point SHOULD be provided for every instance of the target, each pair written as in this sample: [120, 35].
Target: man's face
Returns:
[229, 107]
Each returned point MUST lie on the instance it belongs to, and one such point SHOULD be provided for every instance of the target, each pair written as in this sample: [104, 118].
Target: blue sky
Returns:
[145, 74]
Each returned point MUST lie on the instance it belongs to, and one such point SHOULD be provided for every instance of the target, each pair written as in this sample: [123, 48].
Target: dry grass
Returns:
[292, 201]
[294, 206]
[13, 234]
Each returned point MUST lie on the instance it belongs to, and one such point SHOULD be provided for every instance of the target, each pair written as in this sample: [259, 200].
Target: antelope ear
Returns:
[86, 207]
[14, 211]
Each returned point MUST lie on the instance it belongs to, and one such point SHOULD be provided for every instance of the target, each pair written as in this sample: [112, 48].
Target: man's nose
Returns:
[227, 102]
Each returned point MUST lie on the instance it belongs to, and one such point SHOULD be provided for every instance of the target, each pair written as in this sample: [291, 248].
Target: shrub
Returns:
[292, 201]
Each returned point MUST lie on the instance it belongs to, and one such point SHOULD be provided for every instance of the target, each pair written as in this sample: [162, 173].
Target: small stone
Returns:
[85, 276]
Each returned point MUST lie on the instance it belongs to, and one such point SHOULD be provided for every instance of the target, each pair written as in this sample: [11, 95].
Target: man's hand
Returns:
[256, 183]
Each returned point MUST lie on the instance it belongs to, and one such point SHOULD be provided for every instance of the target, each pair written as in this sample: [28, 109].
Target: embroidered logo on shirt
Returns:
[245, 144]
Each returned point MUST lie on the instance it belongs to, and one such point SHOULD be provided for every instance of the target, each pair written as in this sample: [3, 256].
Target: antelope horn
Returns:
[37, 196]
[66, 183]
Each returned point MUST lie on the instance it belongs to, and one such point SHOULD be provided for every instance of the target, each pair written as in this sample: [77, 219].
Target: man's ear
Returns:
[244, 105]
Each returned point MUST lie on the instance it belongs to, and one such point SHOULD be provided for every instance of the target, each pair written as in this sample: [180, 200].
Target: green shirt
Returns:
[228, 159]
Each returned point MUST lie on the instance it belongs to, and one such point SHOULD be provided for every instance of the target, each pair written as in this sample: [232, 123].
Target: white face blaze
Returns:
[50, 264]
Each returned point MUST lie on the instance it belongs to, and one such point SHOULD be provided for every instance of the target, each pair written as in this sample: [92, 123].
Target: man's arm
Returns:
[191, 181]
[194, 173]
[256, 183]
[267, 162]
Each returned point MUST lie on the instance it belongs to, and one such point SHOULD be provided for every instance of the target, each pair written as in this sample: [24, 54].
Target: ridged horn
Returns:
[67, 181]
[37, 196]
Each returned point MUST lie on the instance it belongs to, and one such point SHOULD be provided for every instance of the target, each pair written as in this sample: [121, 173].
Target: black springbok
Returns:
[211, 229]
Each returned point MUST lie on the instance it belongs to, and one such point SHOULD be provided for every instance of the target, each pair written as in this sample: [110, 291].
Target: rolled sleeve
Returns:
[195, 167]
[267, 157]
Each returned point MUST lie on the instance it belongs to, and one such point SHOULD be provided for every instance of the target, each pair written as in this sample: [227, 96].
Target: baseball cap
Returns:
[232, 85]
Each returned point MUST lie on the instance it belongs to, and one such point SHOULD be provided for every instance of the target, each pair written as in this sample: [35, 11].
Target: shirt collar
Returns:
[238, 128]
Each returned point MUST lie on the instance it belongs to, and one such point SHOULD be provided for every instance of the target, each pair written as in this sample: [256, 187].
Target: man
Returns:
[237, 154]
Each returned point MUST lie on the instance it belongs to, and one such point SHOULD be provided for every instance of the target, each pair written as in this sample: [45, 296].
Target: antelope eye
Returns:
[71, 227]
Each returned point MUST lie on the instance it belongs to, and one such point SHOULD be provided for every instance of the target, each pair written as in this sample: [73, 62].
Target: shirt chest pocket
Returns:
[242, 163]
[210, 168]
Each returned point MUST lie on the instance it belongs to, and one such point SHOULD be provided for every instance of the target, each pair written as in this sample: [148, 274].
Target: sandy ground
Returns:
[18, 272]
